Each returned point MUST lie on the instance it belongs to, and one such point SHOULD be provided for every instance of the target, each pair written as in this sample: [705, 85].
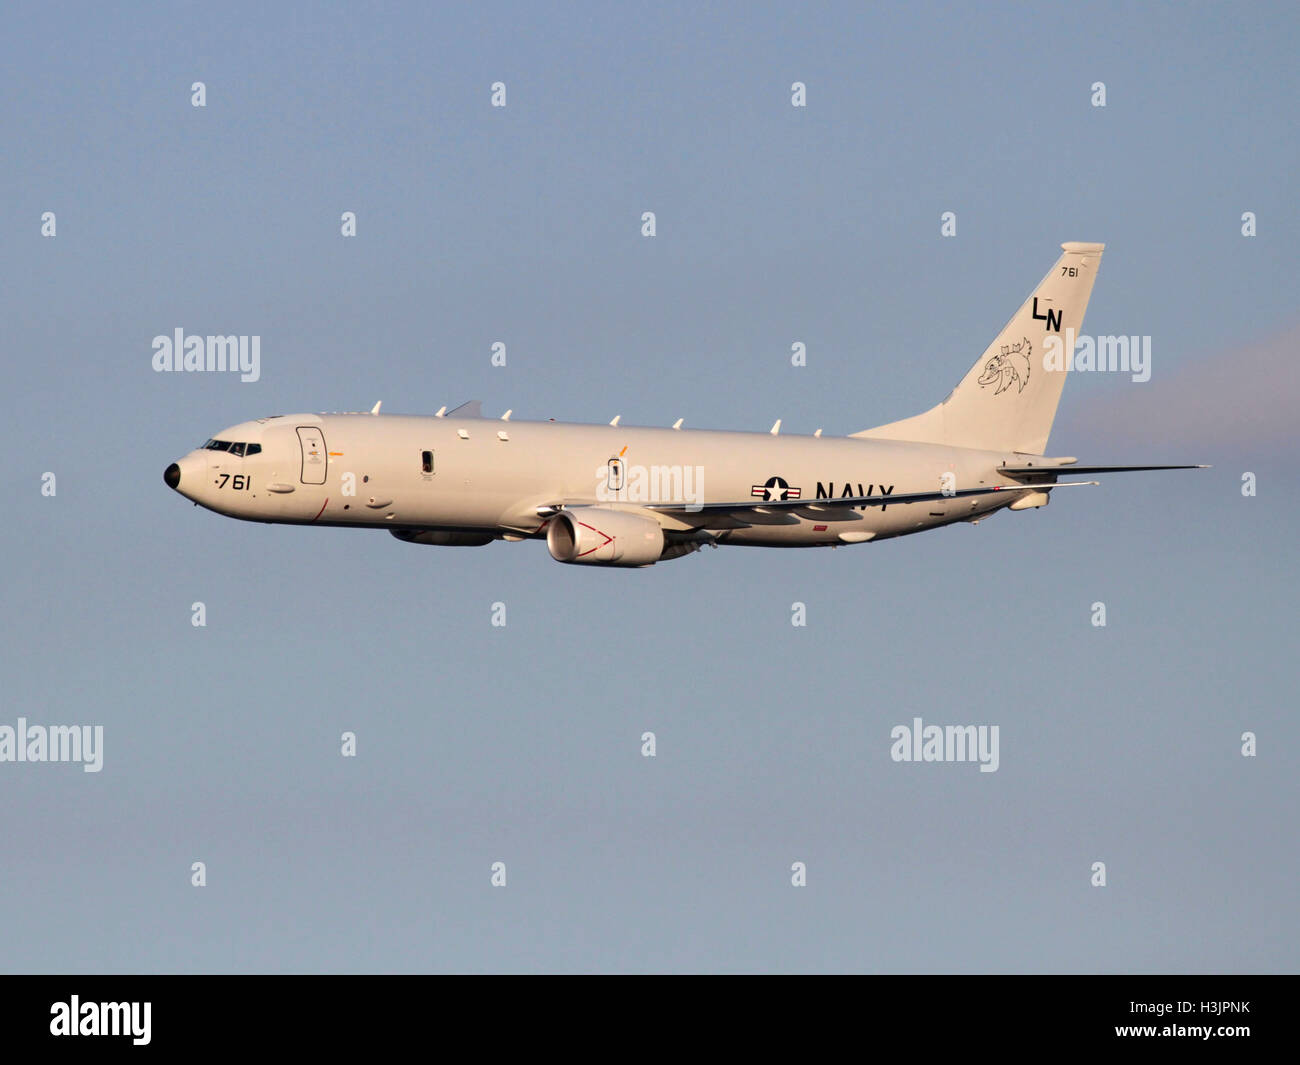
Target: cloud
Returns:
[1236, 402]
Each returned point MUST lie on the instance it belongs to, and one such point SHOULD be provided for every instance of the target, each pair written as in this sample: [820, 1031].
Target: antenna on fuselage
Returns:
[375, 408]
[441, 411]
[776, 428]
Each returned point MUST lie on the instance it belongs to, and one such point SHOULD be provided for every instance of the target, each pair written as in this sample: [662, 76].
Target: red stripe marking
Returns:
[322, 508]
[608, 539]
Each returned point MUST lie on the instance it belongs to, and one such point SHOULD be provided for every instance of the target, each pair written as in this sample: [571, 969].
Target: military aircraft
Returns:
[613, 495]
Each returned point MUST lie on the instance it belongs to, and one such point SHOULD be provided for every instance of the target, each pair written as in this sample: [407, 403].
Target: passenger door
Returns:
[315, 459]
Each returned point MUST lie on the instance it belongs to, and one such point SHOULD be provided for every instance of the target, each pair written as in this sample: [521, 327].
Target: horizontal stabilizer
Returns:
[1019, 471]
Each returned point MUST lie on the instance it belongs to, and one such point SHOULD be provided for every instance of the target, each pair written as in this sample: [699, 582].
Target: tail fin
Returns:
[1008, 399]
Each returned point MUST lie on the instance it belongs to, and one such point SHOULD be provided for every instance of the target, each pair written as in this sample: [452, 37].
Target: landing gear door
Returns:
[315, 460]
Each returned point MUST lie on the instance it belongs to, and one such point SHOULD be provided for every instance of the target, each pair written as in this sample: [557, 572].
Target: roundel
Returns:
[774, 489]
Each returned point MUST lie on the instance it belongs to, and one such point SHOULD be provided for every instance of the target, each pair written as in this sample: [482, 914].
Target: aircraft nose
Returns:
[172, 475]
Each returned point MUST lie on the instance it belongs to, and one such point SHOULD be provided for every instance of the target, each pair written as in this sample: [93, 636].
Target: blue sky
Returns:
[521, 744]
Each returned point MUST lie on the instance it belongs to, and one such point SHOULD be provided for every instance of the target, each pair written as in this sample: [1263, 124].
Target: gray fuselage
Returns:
[504, 479]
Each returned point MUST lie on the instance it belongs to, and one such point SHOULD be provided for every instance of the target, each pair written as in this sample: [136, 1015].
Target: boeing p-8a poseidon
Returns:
[610, 495]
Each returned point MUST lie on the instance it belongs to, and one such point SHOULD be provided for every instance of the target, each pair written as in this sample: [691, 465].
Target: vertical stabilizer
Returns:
[1008, 399]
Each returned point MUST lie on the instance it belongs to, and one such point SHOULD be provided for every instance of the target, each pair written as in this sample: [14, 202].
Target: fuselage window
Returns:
[427, 461]
[253, 449]
[217, 445]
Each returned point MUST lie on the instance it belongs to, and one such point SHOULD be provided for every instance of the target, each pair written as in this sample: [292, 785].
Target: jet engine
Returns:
[600, 536]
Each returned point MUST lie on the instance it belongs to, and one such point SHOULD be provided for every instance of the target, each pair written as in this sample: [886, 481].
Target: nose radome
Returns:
[172, 475]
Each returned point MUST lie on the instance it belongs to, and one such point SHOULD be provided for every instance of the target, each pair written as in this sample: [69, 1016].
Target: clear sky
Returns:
[521, 744]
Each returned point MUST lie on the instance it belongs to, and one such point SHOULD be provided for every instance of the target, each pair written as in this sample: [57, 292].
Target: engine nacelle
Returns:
[442, 537]
[600, 536]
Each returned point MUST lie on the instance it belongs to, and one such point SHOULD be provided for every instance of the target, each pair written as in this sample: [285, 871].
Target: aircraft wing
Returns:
[755, 511]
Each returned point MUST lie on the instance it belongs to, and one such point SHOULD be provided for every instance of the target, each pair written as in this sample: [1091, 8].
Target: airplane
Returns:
[613, 495]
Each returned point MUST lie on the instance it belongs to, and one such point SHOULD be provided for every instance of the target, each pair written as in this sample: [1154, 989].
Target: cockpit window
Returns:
[239, 449]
